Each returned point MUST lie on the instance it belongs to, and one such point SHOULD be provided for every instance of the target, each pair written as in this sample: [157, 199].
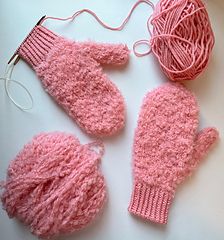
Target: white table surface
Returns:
[197, 212]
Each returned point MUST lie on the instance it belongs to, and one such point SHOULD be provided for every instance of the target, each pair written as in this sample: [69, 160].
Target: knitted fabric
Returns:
[54, 185]
[167, 148]
[71, 73]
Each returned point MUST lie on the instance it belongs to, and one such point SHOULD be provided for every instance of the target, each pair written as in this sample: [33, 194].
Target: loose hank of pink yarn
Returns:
[182, 38]
[54, 184]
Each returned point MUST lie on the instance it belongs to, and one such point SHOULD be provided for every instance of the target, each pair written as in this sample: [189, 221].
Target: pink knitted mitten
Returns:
[167, 148]
[54, 185]
[71, 73]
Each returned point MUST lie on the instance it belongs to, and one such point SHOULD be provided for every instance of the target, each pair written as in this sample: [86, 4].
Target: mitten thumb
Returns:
[203, 143]
[115, 54]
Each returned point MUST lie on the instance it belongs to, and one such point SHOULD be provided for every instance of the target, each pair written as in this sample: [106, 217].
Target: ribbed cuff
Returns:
[150, 202]
[36, 45]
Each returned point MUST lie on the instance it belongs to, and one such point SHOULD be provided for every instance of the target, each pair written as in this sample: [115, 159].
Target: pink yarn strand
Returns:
[119, 28]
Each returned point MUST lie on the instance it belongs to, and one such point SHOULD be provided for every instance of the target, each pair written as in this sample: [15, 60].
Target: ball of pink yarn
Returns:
[182, 38]
[54, 185]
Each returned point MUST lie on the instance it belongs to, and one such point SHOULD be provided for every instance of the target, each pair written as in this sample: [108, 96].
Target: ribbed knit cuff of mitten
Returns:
[36, 45]
[150, 202]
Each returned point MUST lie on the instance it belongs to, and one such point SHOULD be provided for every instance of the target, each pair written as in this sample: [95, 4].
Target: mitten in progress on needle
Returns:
[167, 148]
[71, 72]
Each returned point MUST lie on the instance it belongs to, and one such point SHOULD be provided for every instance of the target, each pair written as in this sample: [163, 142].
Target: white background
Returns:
[197, 212]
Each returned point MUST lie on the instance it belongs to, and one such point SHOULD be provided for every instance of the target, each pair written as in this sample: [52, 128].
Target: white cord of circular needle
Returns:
[7, 79]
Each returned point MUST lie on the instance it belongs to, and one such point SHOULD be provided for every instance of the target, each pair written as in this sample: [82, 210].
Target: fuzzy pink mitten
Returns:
[54, 185]
[71, 73]
[167, 148]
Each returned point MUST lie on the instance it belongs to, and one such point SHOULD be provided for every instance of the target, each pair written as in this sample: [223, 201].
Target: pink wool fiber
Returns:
[54, 185]
[71, 72]
[182, 38]
[167, 148]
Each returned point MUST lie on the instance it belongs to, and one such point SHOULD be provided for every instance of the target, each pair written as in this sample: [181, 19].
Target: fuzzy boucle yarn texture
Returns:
[167, 148]
[71, 72]
[54, 185]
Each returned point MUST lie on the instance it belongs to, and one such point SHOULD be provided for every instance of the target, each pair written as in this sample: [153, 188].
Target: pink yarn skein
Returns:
[54, 185]
[167, 148]
[71, 72]
[182, 38]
